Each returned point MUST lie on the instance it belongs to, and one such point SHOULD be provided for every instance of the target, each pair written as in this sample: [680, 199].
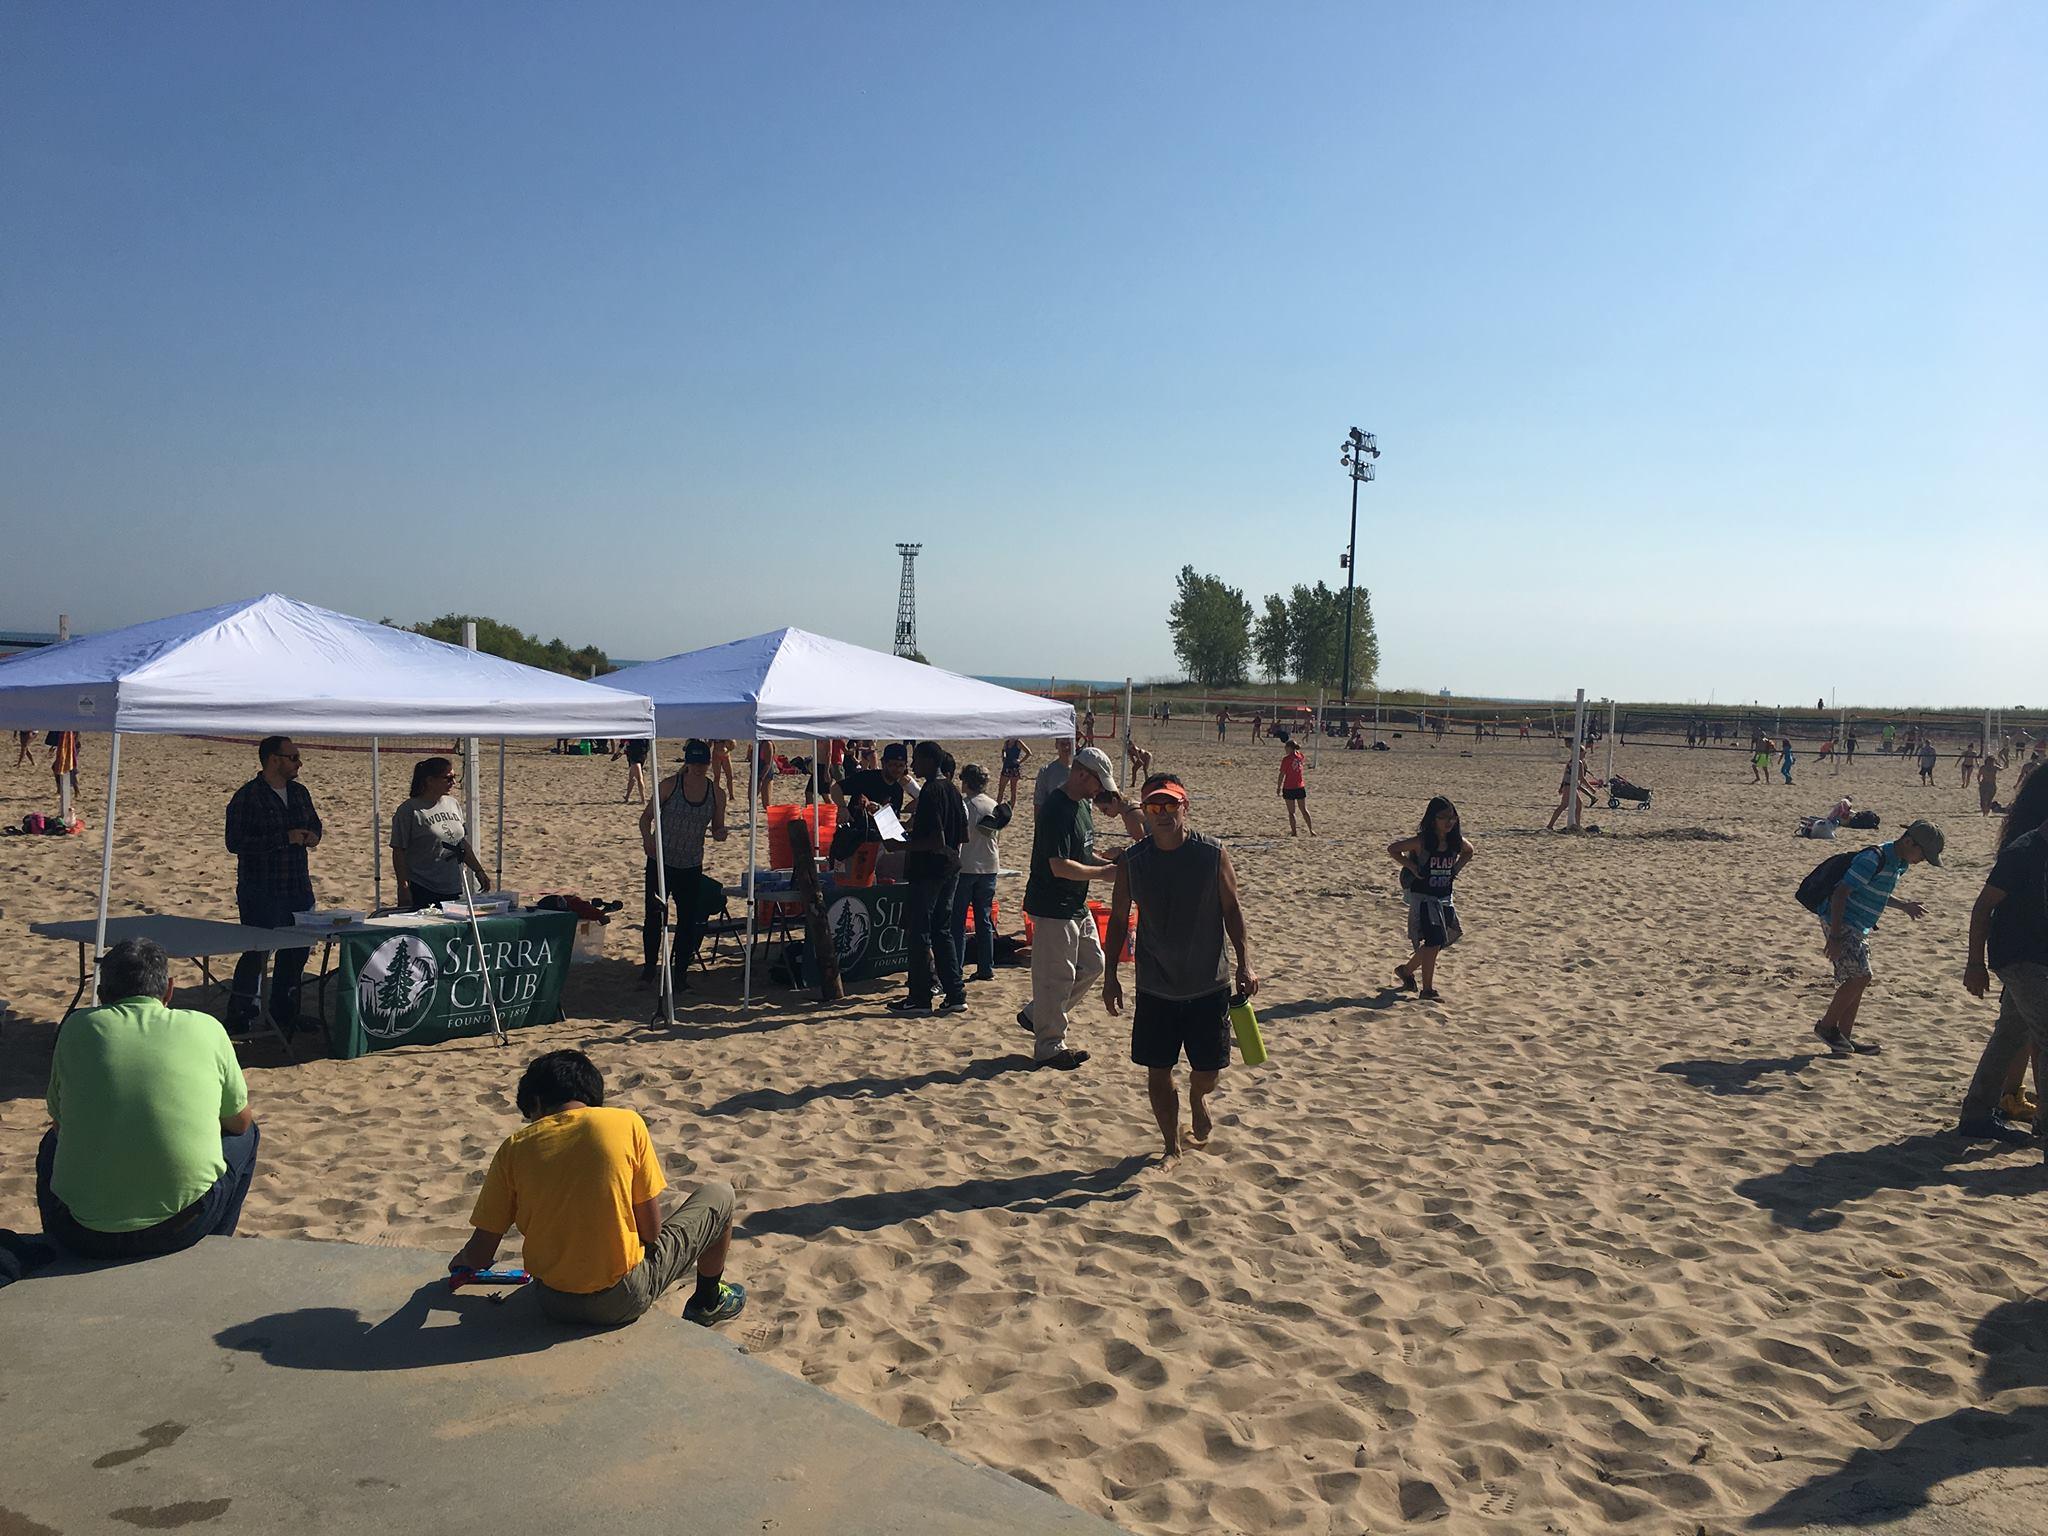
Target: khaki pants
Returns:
[681, 1242]
[2022, 1025]
[1066, 965]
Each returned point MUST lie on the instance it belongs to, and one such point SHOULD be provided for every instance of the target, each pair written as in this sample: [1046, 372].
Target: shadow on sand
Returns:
[1386, 997]
[1029, 1193]
[867, 1087]
[1804, 1195]
[1877, 1485]
[1739, 1077]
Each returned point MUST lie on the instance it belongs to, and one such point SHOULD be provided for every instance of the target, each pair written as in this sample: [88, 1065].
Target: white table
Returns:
[185, 938]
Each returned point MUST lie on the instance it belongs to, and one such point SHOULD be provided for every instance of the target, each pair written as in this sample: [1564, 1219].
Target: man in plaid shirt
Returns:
[271, 827]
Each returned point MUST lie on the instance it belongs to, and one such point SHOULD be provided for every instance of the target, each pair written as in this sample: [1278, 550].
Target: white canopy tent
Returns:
[792, 685]
[274, 666]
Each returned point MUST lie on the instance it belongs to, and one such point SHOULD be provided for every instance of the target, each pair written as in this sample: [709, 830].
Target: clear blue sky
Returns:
[1707, 344]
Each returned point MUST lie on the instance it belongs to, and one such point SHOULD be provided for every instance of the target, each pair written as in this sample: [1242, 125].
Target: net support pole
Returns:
[1578, 760]
[1129, 741]
[1316, 753]
[1375, 717]
[1610, 738]
[376, 823]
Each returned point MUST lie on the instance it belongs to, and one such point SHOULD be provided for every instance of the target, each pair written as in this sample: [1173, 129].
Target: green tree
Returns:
[1271, 638]
[1211, 627]
[1315, 620]
[394, 992]
[494, 638]
[1365, 643]
[1314, 632]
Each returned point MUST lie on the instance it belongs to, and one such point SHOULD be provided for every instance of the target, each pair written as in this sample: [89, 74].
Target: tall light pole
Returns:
[1360, 449]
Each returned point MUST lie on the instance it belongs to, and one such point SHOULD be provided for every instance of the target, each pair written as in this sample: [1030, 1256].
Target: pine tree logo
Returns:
[396, 986]
[848, 919]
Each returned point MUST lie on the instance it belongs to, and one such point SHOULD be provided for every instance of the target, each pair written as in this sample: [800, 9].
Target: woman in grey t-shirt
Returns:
[429, 844]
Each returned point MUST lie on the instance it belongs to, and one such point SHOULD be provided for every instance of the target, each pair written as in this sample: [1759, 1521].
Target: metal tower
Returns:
[906, 601]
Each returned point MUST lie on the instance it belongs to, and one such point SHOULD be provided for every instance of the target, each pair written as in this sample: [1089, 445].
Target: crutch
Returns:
[483, 961]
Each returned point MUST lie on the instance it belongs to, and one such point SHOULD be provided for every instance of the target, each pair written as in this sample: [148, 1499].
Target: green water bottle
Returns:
[1251, 1045]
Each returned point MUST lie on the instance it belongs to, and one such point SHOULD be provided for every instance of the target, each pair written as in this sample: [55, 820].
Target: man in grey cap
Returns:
[1066, 951]
[1849, 914]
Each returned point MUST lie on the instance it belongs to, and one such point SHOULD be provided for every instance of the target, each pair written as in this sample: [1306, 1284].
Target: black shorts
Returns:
[1162, 1028]
[1295, 794]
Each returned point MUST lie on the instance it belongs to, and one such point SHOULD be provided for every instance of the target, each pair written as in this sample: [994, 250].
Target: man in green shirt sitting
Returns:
[153, 1143]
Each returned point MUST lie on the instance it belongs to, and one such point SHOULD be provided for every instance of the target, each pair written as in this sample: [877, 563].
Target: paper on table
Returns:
[887, 824]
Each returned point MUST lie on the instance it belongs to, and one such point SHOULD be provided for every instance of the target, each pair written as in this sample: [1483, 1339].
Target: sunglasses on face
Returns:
[1162, 807]
[288, 757]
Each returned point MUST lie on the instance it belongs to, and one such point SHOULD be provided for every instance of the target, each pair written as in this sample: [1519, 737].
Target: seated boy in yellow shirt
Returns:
[584, 1186]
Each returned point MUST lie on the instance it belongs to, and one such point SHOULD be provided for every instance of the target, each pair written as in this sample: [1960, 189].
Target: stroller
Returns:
[1620, 789]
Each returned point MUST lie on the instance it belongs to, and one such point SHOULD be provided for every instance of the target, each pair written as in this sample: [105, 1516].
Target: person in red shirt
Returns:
[1294, 787]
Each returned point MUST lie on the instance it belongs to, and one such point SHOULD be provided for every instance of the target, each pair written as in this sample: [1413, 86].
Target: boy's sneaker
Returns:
[954, 1004]
[915, 1005]
[732, 1301]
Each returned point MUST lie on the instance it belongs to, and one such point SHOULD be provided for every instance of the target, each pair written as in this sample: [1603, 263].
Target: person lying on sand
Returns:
[583, 1184]
[1186, 893]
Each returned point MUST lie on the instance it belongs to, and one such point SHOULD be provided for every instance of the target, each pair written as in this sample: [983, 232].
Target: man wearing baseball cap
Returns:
[1186, 894]
[1850, 915]
[1066, 951]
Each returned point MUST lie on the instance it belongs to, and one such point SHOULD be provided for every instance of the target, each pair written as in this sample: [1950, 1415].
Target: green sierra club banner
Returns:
[421, 985]
[866, 924]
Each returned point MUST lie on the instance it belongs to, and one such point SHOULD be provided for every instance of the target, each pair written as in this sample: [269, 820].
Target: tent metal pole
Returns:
[753, 904]
[498, 879]
[472, 807]
[662, 951]
[376, 813]
[99, 936]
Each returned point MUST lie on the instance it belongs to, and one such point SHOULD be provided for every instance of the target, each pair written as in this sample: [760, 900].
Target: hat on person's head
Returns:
[1928, 839]
[1096, 761]
[1167, 791]
[696, 751]
[895, 753]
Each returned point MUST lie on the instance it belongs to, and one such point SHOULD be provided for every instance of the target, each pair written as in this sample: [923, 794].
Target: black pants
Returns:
[214, 1214]
[685, 889]
[267, 912]
[928, 915]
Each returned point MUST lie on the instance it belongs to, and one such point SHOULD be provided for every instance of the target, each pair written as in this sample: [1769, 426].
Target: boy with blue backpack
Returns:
[1848, 893]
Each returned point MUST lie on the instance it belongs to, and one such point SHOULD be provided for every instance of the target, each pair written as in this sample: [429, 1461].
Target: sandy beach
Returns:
[1599, 1242]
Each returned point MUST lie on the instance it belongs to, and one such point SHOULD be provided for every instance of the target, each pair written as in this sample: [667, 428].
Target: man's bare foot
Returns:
[1198, 1133]
[1170, 1158]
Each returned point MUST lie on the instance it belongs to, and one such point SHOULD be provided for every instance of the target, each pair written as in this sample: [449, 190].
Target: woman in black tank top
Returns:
[1429, 863]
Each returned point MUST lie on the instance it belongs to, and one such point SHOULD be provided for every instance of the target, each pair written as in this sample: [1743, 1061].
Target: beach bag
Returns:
[588, 946]
[1819, 885]
[1863, 821]
[34, 823]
